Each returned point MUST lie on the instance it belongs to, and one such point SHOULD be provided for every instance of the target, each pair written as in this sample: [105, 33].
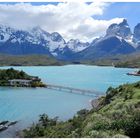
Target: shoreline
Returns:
[94, 103]
[68, 65]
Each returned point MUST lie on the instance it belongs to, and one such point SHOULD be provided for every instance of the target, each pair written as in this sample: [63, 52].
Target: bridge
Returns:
[75, 90]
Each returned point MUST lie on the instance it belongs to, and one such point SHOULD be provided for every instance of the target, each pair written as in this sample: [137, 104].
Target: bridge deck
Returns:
[75, 90]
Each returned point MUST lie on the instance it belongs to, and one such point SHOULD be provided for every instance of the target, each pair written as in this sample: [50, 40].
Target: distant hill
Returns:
[130, 60]
[28, 60]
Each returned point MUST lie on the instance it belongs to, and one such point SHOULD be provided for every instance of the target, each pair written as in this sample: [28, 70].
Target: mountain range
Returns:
[119, 39]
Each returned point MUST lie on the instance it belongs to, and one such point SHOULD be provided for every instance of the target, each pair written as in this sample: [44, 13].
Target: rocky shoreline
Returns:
[4, 125]
[95, 103]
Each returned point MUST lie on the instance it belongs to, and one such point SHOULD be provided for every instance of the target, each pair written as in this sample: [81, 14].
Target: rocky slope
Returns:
[36, 41]
[118, 40]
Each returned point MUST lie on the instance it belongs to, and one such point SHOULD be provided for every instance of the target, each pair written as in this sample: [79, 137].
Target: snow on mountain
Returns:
[118, 40]
[54, 42]
[76, 45]
[51, 41]
[5, 33]
[123, 30]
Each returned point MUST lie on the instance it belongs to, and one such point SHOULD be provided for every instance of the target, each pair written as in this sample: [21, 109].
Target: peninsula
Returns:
[15, 78]
[136, 73]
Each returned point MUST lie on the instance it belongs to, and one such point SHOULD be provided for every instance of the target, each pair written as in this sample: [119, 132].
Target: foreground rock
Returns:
[6, 124]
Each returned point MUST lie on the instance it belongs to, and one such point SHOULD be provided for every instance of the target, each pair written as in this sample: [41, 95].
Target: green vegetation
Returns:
[7, 74]
[130, 60]
[28, 60]
[133, 62]
[37, 83]
[11, 74]
[117, 115]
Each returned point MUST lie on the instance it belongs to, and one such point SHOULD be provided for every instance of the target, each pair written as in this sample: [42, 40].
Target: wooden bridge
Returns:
[75, 90]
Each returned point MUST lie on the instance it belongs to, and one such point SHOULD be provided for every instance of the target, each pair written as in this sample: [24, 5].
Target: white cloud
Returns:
[71, 20]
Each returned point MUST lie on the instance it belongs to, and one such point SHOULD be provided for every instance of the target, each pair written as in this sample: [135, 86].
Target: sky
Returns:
[73, 20]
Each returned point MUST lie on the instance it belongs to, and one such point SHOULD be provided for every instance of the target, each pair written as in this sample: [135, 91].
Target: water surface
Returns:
[25, 104]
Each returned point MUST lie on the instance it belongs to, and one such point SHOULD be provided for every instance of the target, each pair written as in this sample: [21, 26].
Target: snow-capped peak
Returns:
[76, 45]
[5, 32]
[122, 29]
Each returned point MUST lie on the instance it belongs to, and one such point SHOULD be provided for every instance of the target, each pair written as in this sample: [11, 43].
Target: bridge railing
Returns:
[75, 90]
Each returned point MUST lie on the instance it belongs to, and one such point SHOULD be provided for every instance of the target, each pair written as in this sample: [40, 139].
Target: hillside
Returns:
[132, 61]
[116, 115]
[129, 60]
[28, 60]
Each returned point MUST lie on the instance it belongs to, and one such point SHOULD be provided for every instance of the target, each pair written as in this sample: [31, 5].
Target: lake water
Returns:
[26, 104]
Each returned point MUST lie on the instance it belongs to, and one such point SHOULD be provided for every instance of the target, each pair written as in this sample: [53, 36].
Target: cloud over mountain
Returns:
[71, 20]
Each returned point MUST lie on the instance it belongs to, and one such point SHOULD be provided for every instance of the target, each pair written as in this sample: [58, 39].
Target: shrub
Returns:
[137, 85]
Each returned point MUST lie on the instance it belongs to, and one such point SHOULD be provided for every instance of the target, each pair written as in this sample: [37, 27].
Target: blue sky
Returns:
[83, 21]
[128, 10]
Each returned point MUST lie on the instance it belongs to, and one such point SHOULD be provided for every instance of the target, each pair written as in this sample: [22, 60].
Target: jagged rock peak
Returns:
[55, 36]
[122, 30]
[137, 33]
[124, 23]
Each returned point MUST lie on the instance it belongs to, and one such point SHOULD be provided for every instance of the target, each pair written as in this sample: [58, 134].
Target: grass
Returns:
[131, 60]
[28, 60]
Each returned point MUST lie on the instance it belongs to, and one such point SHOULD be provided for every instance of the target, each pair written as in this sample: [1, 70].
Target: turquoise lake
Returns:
[26, 104]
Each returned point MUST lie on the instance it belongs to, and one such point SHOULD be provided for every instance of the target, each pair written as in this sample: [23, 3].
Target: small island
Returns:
[16, 78]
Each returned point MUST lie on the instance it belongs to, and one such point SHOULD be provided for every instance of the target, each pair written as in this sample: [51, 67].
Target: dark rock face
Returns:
[123, 30]
[137, 33]
[56, 37]
[107, 47]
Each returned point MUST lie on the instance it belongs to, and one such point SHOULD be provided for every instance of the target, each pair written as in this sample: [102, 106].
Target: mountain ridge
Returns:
[119, 39]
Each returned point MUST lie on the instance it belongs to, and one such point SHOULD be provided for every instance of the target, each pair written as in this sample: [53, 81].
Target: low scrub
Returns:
[117, 116]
